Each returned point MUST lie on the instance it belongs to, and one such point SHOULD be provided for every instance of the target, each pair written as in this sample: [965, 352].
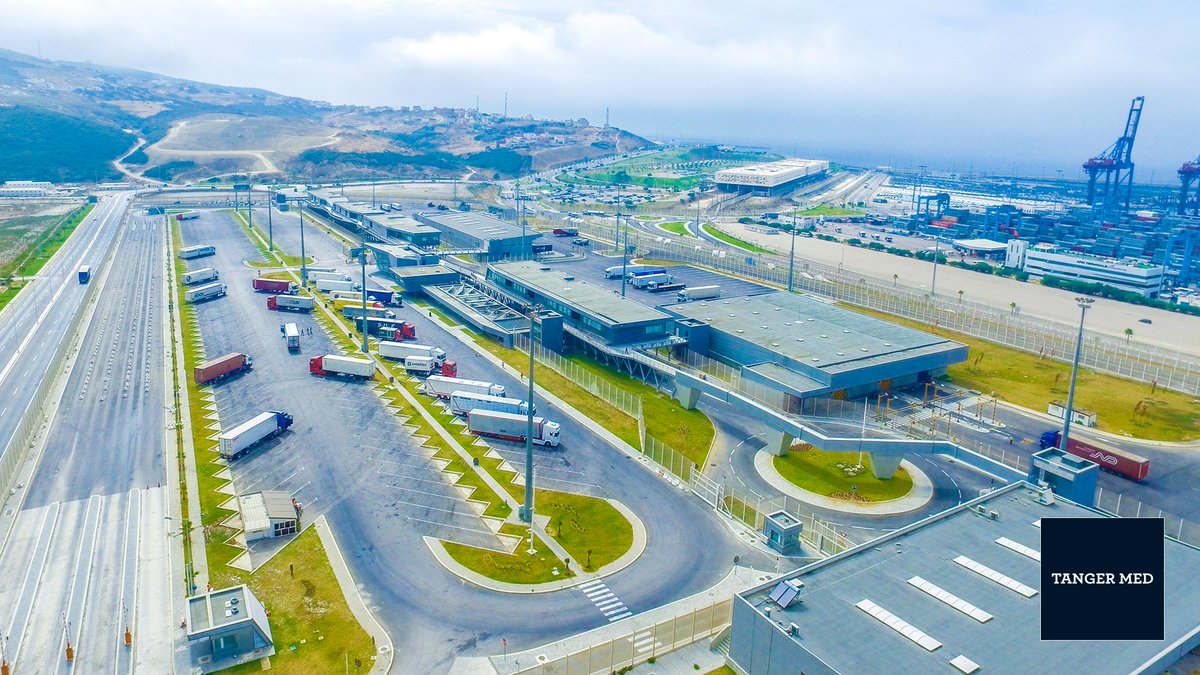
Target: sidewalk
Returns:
[358, 607]
[920, 495]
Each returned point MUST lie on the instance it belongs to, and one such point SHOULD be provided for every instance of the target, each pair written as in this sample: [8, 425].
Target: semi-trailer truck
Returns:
[193, 215]
[698, 293]
[512, 427]
[189, 252]
[345, 366]
[1110, 458]
[327, 285]
[400, 350]
[373, 295]
[329, 276]
[616, 271]
[388, 329]
[238, 440]
[442, 386]
[291, 303]
[264, 285]
[420, 365]
[566, 231]
[355, 311]
[463, 402]
[646, 280]
[644, 271]
[200, 276]
[205, 292]
[222, 366]
[291, 333]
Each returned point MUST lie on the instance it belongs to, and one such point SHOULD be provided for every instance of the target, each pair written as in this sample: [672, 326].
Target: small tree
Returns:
[1013, 307]
[960, 294]
[895, 280]
[1128, 335]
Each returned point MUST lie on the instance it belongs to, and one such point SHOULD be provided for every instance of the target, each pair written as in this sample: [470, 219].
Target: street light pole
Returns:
[270, 226]
[1084, 305]
[624, 245]
[863, 434]
[527, 510]
[937, 244]
[303, 267]
[792, 255]
[362, 258]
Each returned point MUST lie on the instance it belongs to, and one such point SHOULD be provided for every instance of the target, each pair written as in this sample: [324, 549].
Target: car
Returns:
[1145, 321]
[581, 242]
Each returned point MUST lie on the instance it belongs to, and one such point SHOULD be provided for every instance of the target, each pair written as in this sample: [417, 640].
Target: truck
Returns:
[645, 280]
[442, 386]
[205, 292]
[85, 273]
[566, 231]
[345, 366]
[420, 365]
[327, 285]
[189, 252]
[463, 402]
[238, 440]
[644, 271]
[222, 366]
[291, 303]
[670, 287]
[616, 271]
[388, 329]
[193, 215]
[291, 333]
[342, 303]
[355, 311]
[200, 276]
[1112, 459]
[698, 293]
[276, 286]
[400, 350]
[373, 295]
[512, 427]
[329, 276]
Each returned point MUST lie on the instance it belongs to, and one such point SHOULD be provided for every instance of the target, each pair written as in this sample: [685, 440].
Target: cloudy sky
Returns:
[986, 85]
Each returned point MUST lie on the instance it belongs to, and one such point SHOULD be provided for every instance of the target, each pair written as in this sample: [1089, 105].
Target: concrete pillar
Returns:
[884, 466]
[778, 442]
[687, 396]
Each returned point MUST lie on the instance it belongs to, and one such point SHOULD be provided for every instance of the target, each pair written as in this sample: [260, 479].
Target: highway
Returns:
[88, 551]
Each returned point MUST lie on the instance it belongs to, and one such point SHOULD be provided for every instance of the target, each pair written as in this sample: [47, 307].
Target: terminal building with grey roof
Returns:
[801, 347]
[773, 178]
[954, 593]
[475, 231]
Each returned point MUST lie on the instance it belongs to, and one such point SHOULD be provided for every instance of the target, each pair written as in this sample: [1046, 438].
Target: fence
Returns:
[1125, 506]
[640, 645]
[752, 509]
[630, 404]
[1168, 368]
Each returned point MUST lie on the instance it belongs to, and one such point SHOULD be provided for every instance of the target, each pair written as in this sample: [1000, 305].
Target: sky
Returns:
[985, 86]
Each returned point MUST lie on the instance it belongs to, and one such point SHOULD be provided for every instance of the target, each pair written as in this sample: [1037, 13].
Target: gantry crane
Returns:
[1116, 165]
[1189, 200]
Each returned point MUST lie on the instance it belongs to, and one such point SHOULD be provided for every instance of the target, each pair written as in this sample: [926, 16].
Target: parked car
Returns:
[581, 242]
[1145, 321]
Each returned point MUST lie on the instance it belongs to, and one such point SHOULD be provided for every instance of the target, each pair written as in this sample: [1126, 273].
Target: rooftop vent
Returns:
[824, 336]
[774, 344]
[841, 353]
[740, 330]
[862, 349]
[755, 312]
[845, 330]
[814, 359]
[787, 323]
[887, 344]
[799, 339]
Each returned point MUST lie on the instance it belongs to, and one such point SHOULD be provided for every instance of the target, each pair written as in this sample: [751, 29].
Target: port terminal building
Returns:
[1041, 260]
[771, 179]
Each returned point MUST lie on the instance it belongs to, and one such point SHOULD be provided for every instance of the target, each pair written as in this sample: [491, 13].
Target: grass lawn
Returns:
[824, 210]
[306, 604]
[8, 294]
[676, 227]
[519, 567]
[31, 261]
[592, 530]
[1122, 406]
[723, 670]
[834, 474]
[734, 241]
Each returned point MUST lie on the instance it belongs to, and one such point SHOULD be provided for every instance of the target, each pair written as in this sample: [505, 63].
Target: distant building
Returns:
[1015, 252]
[1139, 277]
[472, 231]
[984, 248]
[770, 179]
[17, 189]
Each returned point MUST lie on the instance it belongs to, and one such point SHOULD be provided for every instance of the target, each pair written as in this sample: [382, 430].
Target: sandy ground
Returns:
[1175, 331]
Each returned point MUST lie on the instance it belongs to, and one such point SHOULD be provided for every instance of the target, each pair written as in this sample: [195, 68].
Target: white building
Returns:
[769, 179]
[1014, 255]
[25, 188]
[1047, 259]
[268, 514]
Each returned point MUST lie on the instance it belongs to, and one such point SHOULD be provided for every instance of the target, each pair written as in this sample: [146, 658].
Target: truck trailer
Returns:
[400, 350]
[291, 303]
[566, 231]
[264, 285]
[463, 402]
[345, 366]
[238, 440]
[650, 280]
[329, 276]
[192, 215]
[355, 311]
[1110, 458]
[420, 365]
[205, 292]
[387, 329]
[698, 293]
[327, 285]
[222, 366]
[442, 386]
[291, 333]
[616, 271]
[512, 427]
[189, 252]
[373, 295]
[200, 276]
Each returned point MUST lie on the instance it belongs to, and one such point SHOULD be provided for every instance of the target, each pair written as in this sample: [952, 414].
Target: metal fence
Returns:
[630, 404]
[1124, 506]
[752, 509]
[1166, 367]
[638, 645]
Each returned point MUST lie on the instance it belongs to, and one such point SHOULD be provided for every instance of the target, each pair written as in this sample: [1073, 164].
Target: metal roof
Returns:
[215, 612]
[957, 578]
[594, 301]
[260, 508]
[471, 224]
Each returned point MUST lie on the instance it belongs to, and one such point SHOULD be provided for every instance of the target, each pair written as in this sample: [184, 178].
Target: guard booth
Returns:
[783, 532]
[226, 627]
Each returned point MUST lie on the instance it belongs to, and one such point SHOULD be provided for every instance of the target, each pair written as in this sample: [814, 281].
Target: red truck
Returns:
[275, 286]
[1115, 460]
[219, 367]
[566, 232]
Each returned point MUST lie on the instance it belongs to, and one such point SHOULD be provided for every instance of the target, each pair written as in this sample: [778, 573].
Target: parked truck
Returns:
[387, 329]
[373, 295]
[264, 285]
[616, 271]
[566, 231]
[1110, 458]
[238, 440]
[512, 427]
[192, 215]
[345, 366]
[291, 303]
[222, 366]
[200, 276]
[355, 311]
[85, 273]
[205, 292]
[643, 271]
[189, 252]
[329, 276]
[400, 350]
[420, 365]
[291, 333]
[669, 287]
[463, 402]
[698, 293]
[646, 280]
[442, 386]
[327, 285]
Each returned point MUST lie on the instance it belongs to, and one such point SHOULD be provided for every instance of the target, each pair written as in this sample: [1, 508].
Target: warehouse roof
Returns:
[260, 508]
[595, 301]
[216, 612]
[986, 245]
[857, 611]
[474, 224]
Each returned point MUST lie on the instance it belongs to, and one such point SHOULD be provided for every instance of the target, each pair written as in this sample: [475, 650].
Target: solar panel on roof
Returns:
[784, 594]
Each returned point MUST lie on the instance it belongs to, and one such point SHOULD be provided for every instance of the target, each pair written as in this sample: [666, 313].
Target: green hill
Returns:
[38, 144]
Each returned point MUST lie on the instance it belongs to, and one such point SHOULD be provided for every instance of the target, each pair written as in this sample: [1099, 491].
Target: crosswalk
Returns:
[605, 600]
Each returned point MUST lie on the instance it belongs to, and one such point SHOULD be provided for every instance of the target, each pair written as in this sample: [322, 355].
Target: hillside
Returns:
[70, 121]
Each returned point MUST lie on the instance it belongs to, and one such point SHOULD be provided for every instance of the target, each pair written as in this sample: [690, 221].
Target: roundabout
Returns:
[834, 481]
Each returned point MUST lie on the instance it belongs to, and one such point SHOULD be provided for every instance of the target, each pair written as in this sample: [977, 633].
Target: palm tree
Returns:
[960, 294]
[1013, 306]
[1128, 335]
[895, 280]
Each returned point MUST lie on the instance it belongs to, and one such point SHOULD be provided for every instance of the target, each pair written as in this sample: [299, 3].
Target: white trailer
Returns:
[420, 365]
[442, 386]
[647, 280]
[329, 276]
[205, 292]
[463, 402]
[616, 271]
[401, 350]
[347, 366]
[698, 293]
[235, 442]
[333, 285]
[189, 252]
[296, 303]
[201, 275]
[512, 427]
[291, 333]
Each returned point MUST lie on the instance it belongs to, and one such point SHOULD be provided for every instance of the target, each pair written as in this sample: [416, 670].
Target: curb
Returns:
[921, 494]
[384, 651]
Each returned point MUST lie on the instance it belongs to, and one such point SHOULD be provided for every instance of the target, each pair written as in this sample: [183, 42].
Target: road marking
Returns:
[605, 600]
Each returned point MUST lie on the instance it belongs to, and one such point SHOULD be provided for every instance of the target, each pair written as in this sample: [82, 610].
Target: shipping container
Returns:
[222, 366]
[1108, 457]
[420, 365]
[462, 402]
[346, 366]
[189, 252]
